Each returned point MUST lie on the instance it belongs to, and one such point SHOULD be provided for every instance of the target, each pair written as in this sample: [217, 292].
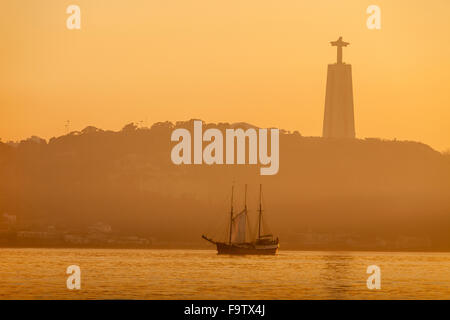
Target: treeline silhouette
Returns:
[367, 189]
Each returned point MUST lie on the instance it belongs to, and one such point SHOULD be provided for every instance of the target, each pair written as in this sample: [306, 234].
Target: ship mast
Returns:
[231, 213]
[245, 200]
[260, 211]
[245, 203]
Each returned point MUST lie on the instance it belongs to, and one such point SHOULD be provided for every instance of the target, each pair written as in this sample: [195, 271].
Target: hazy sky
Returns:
[258, 61]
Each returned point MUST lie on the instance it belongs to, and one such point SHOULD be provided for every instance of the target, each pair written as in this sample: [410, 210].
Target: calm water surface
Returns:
[202, 274]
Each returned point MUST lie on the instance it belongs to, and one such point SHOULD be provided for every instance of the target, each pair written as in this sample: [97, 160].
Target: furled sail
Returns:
[238, 227]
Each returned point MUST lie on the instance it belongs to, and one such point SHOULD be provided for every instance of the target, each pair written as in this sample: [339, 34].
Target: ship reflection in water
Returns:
[202, 274]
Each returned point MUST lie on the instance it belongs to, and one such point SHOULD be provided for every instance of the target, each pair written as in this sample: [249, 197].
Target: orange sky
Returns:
[259, 61]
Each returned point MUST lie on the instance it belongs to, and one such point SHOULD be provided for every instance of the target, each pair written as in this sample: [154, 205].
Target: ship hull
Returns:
[246, 249]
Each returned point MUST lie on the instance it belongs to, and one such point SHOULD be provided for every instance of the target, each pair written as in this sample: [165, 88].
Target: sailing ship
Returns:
[263, 244]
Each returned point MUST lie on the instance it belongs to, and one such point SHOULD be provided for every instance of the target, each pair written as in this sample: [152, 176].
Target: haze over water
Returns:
[202, 274]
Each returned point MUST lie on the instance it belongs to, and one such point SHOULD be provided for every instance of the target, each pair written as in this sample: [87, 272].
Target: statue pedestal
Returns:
[338, 121]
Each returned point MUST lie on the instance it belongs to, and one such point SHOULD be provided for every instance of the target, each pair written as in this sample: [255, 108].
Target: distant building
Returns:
[10, 219]
[408, 242]
[7, 221]
[37, 235]
[100, 227]
[75, 239]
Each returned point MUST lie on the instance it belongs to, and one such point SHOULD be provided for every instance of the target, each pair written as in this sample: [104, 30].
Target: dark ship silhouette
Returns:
[263, 244]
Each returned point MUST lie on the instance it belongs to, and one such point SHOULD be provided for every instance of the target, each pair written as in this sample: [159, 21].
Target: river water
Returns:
[202, 274]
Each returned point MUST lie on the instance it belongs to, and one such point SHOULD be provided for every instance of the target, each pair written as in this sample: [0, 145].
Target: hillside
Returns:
[366, 192]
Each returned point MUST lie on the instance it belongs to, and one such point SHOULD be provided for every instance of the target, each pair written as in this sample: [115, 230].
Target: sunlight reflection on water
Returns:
[202, 274]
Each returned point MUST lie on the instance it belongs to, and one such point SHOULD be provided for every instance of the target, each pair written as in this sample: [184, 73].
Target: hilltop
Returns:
[356, 192]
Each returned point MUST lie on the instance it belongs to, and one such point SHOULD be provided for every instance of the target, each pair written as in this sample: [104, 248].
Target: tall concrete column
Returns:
[338, 120]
